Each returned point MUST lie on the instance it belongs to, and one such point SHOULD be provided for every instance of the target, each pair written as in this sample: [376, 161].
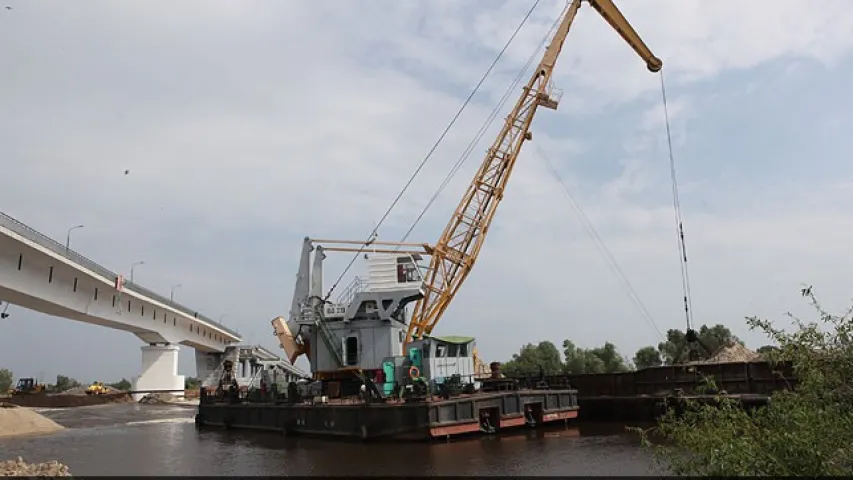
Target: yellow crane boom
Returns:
[460, 243]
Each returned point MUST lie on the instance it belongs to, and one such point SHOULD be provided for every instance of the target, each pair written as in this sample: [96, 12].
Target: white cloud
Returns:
[247, 126]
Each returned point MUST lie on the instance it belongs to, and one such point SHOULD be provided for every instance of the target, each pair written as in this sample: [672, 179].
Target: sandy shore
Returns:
[16, 421]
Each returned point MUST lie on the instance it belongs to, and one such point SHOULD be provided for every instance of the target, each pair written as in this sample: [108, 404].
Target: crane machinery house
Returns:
[363, 326]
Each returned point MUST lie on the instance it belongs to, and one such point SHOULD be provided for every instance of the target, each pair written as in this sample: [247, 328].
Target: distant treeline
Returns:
[545, 357]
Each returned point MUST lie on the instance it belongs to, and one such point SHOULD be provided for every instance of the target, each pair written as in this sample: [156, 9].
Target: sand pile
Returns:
[733, 353]
[20, 468]
[15, 421]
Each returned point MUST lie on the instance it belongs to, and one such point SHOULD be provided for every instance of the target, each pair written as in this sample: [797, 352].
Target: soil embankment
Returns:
[16, 421]
[20, 468]
[64, 400]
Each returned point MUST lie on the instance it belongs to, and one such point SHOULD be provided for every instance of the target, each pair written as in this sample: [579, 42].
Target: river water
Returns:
[134, 439]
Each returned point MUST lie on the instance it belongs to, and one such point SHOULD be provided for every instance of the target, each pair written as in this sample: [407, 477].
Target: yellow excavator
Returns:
[97, 388]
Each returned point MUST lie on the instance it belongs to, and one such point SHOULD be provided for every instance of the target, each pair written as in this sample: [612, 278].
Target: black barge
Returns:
[434, 417]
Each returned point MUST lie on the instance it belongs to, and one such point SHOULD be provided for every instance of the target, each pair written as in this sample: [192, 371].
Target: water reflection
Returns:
[158, 448]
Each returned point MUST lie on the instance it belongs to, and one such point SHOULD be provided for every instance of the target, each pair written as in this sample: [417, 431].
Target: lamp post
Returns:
[68, 237]
[141, 262]
[172, 292]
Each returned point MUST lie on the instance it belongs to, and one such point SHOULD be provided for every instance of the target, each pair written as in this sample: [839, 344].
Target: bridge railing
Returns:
[43, 240]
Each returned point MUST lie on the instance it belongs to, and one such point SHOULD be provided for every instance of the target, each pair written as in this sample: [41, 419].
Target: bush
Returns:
[808, 431]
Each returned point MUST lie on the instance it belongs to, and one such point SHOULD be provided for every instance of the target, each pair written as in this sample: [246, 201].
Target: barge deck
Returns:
[430, 419]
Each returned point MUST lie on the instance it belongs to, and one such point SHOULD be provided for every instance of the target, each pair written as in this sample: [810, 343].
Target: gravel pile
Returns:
[20, 468]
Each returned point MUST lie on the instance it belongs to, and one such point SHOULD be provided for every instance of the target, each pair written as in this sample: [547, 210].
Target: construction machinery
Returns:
[366, 329]
[27, 386]
[97, 388]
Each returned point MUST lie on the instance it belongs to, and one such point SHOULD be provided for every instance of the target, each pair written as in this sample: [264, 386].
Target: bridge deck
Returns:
[75, 258]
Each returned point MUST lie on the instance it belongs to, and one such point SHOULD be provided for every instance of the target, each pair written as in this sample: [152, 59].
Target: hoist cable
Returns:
[602, 248]
[431, 151]
[482, 131]
[679, 224]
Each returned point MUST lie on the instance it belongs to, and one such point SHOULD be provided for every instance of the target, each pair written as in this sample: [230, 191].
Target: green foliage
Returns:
[533, 360]
[6, 379]
[604, 359]
[123, 385]
[647, 357]
[674, 349]
[192, 383]
[805, 432]
[64, 383]
[767, 350]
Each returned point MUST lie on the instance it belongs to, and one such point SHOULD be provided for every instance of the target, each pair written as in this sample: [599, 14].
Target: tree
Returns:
[123, 385]
[64, 383]
[604, 359]
[527, 362]
[192, 383]
[576, 358]
[6, 380]
[766, 350]
[805, 432]
[674, 349]
[610, 358]
[647, 357]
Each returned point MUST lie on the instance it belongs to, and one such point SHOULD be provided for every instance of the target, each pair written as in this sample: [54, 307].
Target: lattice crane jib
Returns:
[460, 243]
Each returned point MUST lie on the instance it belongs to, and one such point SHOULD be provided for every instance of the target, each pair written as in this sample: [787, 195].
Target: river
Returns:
[134, 439]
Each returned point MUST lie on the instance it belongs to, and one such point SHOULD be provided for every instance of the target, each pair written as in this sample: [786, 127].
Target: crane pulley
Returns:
[457, 249]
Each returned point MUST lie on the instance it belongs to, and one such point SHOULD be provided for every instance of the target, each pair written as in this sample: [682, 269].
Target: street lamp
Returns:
[141, 262]
[172, 292]
[68, 237]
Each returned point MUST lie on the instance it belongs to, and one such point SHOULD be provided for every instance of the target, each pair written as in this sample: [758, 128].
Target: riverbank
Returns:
[19, 421]
[66, 400]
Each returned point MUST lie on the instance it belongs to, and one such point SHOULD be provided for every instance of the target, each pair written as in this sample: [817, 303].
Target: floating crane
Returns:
[457, 249]
[329, 332]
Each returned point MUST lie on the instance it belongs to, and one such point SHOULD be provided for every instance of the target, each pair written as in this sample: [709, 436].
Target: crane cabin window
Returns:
[452, 351]
[440, 351]
[406, 270]
[463, 350]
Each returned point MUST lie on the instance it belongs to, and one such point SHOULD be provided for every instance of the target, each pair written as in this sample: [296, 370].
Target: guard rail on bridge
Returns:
[41, 239]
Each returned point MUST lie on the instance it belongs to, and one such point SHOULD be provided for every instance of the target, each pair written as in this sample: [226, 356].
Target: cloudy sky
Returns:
[249, 125]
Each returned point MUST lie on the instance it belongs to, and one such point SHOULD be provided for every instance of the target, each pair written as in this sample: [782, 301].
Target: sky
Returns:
[247, 126]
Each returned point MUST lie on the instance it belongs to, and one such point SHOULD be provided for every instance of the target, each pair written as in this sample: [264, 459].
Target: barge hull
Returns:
[414, 421]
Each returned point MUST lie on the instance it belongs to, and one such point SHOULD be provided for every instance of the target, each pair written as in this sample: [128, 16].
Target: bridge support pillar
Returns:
[159, 371]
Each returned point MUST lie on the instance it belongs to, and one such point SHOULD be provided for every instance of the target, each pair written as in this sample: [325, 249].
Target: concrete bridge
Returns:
[39, 273]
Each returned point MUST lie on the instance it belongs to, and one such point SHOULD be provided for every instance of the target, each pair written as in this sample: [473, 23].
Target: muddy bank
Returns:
[20, 468]
[16, 421]
[167, 399]
[64, 400]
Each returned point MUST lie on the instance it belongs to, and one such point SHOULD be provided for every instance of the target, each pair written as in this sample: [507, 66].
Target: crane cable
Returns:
[602, 247]
[431, 151]
[679, 224]
[482, 131]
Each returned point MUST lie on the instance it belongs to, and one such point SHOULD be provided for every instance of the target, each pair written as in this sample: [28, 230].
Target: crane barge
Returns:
[376, 371]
